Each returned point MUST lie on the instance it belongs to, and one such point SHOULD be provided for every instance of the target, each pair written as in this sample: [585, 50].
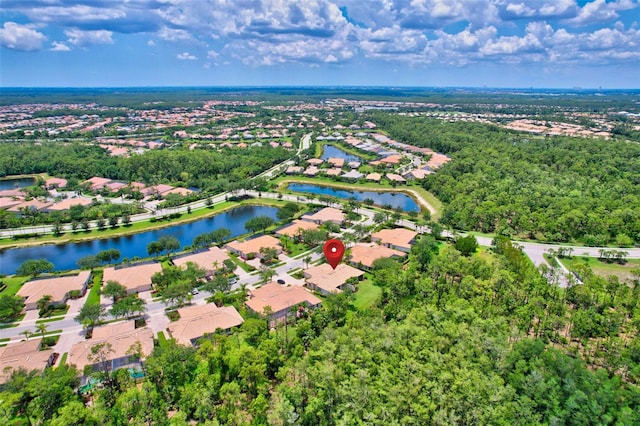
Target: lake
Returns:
[65, 256]
[394, 199]
[330, 151]
[16, 183]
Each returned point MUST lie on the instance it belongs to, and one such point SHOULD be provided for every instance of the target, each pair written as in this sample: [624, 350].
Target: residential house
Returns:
[210, 260]
[136, 278]
[198, 321]
[280, 299]
[121, 338]
[56, 287]
[24, 355]
[53, 183]
[363, 255]
[67, 203]
[398, 238]
[295, 228]
[327, 280]
[96, 183]
[327, 214]
[395, 178]
[375, 177]
[251, 248]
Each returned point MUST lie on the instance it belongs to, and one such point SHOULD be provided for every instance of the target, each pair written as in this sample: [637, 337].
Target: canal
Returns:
[66, 256]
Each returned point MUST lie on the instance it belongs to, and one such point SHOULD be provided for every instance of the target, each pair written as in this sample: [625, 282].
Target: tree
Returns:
[108, 256]
[113, 221]
[258, 223]
[169, 244]
[88, 262]
[90, 314]
[44, 304]
[287, 211]
[268, 255]
[154, 248]
[467, 245]
[10, 307]
[115, 290]
[177, 294]
[42, 329]
[34, 267]
[266, 273]
[128, 307]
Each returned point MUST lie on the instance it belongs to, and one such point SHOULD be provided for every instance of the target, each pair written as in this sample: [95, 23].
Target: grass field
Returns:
[623, 272]
[94, 293]
[367, 295]
[13, 284]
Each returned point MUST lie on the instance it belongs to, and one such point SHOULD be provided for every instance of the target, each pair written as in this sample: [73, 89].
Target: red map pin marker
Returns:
[333, 251]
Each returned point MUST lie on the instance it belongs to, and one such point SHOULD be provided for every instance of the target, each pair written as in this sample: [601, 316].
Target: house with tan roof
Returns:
[336, 162]
[327, 280]
[332, 172]
[327, 214]
[97, 183]
[55, 183]
[391, 159]
[24, 355]
[8, 202]
[398, 238]
[375, 177]
[210, 260]
[67, 203]
[198, 321]
[280, 299]
[56, 287]
[363, 255]
[295, 228]
[315, 161]
[121, 337]
[249, 248]
[156, 190]
[311, 171]
[33, 205]
[136, 278]
[395, 178]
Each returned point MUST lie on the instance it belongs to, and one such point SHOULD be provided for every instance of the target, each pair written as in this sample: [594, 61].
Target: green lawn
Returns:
[623, 272]
[13, 284]
[63, 360]
[94, 293]
[367, 295]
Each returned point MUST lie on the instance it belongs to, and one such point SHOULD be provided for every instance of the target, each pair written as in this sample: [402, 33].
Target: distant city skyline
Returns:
[421, 43]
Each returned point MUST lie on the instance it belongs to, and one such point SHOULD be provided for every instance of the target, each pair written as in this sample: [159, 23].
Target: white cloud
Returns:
[83, 38]
[151, 43]
[59, 47]
[172, 34]
[600, 11]
[212, 54]
[21, 37]
[186, 56]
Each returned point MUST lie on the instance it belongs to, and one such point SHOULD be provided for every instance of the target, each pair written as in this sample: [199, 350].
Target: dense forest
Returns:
[561, 189]
[453, 339]
[202, 168]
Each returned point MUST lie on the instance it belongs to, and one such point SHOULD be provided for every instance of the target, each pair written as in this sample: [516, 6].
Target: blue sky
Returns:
[471, 43]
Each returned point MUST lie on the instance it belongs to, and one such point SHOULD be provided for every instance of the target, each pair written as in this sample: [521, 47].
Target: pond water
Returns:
[394, 199]
[330, 151]
[65, 256]
[16, 183]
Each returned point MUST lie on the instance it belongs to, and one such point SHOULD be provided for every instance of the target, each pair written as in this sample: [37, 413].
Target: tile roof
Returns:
[56, 287]
[328, 279]
[279, 297]
[132, 277]
[366, 254]
[196, 321]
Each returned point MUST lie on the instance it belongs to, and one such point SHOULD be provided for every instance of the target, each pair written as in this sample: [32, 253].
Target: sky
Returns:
[424, 43]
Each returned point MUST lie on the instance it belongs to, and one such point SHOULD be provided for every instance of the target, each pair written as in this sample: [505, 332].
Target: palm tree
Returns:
[41, 328]
[26, 333]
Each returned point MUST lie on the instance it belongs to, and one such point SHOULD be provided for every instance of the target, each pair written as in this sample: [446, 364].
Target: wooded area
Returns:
[563, 189]
[479, 339]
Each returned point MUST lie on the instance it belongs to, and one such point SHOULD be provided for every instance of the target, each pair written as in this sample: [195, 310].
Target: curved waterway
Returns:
[393, 199]
[66, 256]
